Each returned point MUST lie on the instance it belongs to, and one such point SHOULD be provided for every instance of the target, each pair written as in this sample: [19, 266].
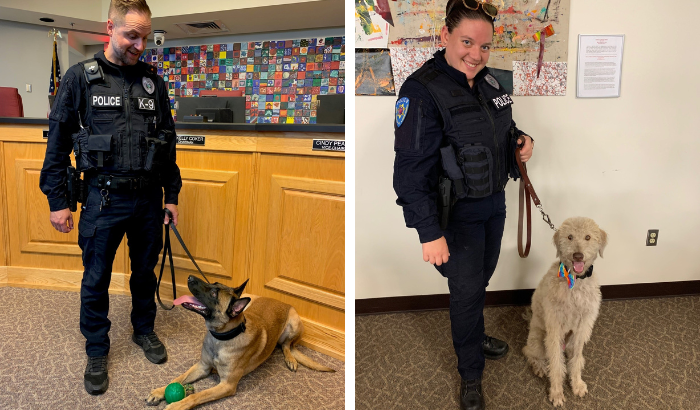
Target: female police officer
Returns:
[453, 123]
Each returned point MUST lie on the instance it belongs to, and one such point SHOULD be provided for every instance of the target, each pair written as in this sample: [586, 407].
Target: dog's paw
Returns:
[557, 398]
[292, 363]
[156, 397]
[539, 367]
[580, 388]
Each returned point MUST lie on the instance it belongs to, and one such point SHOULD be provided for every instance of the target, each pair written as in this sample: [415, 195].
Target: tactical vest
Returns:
[476, 130]
[119, 120]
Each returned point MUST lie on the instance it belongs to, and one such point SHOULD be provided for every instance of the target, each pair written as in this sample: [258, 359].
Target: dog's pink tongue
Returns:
[186, 298]
[578, 267]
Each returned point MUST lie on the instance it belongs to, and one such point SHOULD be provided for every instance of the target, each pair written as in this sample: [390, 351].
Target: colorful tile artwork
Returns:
[279, 79]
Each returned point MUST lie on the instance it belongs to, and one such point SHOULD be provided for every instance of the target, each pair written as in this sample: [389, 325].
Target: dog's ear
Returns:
[236, 306]
[603, 242]
[239, 290]
[555, 241]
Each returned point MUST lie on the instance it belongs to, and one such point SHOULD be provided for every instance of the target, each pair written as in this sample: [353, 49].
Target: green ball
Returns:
[174, 392]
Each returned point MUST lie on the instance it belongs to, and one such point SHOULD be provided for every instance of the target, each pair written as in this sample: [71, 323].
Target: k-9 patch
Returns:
[145, 103]
[401, 110]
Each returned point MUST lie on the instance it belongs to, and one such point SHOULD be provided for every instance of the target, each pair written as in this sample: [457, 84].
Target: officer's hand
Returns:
[526, 150]
[173, 209]
[436, 252]
[62, 220]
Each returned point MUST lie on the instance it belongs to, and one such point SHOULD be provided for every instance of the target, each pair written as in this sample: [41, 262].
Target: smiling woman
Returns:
[453, 112]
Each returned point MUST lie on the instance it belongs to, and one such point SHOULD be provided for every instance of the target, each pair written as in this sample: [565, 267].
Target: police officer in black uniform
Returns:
[455, 142]
[113, 111]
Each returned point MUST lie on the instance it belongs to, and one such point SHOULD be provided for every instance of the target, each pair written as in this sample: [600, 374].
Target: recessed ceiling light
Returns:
[46, 20]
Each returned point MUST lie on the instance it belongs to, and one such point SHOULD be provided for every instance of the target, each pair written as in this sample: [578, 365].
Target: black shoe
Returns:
[494, 348]
[152, 347]
[471, 396]
[96, 379]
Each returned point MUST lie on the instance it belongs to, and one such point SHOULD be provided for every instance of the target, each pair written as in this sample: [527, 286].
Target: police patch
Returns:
[492, 81]
[502, 102]
[145, 103]
[401, 110]
[106, 101]
[148, 85]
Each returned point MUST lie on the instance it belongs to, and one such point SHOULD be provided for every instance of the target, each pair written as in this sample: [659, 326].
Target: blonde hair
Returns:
[119, 8]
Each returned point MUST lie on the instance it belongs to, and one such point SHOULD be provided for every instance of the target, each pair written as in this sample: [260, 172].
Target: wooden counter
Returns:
[254, 204]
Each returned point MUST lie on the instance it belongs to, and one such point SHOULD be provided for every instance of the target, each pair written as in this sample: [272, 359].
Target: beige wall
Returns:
[630, 163]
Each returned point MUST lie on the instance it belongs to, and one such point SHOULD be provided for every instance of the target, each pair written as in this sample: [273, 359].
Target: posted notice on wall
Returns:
[599, 66]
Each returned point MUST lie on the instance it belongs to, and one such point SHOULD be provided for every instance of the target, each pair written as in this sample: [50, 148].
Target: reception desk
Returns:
[256, 203]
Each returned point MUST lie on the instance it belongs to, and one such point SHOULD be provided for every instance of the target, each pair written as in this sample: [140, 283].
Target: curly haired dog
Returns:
[565, 306]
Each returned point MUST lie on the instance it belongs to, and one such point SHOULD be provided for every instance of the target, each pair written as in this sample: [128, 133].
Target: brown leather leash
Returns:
[525, 195]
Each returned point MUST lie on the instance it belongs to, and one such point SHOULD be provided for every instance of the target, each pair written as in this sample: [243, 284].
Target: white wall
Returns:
[631, 163]
[27, 52]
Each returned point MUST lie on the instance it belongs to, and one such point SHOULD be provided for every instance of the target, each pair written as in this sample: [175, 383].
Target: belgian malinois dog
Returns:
[243, 331]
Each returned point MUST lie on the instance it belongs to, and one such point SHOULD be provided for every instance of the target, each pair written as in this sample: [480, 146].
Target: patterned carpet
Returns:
[42, 360]
[644, 354]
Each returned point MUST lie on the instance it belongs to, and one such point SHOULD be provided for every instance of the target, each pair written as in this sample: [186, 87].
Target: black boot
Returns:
[471, 396]
[95, 378]
[494, 348]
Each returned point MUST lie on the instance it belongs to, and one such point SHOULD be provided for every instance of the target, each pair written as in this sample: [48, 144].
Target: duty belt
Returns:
[120, 183]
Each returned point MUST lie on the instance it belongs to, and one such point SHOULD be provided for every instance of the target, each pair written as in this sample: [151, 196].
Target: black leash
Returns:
[169, 252]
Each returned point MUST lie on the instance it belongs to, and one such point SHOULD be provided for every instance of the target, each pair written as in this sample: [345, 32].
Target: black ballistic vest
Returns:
[120, 118]
[476, 128]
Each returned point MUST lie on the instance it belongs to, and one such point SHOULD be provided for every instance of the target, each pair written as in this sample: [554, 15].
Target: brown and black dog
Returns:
[243, 331]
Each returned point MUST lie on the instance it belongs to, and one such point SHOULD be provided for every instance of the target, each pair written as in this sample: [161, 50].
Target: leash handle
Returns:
[167, 250]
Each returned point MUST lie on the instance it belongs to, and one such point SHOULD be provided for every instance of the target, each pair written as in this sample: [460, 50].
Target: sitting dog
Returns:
[242, 334]
[565, 306]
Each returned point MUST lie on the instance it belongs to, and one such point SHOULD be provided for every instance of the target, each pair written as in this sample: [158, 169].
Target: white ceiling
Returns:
[87, 18]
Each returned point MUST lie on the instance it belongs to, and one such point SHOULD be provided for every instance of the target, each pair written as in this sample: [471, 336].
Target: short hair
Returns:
[119, 8]
[455, 12]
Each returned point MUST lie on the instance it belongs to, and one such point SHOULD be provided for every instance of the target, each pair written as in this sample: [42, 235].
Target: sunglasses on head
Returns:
[489, 8]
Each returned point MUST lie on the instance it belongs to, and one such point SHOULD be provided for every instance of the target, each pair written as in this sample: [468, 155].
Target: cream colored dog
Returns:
[564, 309]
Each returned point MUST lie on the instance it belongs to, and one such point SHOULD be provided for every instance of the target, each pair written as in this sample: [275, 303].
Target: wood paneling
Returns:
[299, 242]
[33, 241]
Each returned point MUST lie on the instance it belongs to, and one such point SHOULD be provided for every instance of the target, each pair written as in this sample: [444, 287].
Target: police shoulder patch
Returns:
[148, 85]
[401, 110]
[492, 81]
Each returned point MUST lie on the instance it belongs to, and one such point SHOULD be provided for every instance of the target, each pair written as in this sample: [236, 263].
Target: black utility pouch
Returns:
[513, 170]
[155, 153]
[477, 166]
[80, 148]
[100, 147]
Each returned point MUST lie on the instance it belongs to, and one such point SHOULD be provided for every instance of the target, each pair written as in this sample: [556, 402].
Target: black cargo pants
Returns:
[139, 215]
[473, 237]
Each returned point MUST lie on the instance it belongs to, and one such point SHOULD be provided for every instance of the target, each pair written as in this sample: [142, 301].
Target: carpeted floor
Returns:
[644, 354]
[42, 360]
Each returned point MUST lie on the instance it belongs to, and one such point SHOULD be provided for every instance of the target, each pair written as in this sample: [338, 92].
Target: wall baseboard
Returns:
[520, 297]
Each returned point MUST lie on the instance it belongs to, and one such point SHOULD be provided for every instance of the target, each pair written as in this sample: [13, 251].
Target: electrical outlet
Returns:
[652, 237]
[29, 88]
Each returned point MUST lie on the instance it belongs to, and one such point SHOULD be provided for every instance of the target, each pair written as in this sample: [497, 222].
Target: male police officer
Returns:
[114, 112]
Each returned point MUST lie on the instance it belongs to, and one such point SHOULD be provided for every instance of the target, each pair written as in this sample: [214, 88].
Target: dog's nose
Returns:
[578, 256]
[190, 279]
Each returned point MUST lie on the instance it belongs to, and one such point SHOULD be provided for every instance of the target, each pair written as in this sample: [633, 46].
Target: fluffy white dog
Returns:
[565, 306]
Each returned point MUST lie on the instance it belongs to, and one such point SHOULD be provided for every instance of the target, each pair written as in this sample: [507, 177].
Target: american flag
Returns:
[55, 72]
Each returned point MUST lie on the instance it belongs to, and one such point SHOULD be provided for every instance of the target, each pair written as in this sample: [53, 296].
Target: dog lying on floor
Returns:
[243, 331]
[565, 306]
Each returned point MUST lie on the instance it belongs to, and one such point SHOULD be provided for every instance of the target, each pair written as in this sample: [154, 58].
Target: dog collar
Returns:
[571, 277]
[230, 334]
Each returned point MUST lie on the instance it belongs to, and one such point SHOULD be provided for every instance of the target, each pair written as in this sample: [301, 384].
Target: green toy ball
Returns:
[174, 392]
